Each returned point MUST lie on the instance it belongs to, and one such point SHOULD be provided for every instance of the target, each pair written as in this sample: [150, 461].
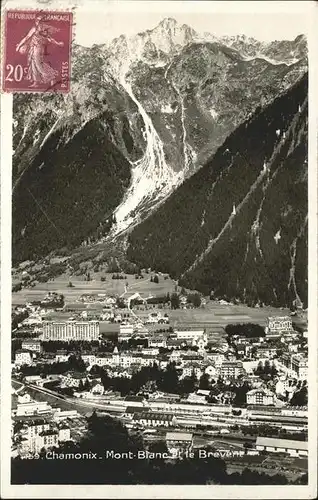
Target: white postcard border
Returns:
[162, 491]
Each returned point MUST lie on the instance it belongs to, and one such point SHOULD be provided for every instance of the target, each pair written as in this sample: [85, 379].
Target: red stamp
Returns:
[37, 51]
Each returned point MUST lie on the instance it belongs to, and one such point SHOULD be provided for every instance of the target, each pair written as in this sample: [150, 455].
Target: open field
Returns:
[213, 315]
[111, 287]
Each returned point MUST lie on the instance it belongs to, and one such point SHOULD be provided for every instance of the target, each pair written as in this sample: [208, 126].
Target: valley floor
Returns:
[212, 315]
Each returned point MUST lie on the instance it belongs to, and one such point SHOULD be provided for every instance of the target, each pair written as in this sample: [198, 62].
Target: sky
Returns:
[139, 16]
[99, 21]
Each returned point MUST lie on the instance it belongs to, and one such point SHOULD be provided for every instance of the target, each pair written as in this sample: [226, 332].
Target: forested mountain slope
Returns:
[238, 227]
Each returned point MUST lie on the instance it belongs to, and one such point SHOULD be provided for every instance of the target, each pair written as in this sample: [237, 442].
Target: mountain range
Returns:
[145, 116]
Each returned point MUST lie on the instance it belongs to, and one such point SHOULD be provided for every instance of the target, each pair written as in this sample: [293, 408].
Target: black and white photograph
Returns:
[159, 327]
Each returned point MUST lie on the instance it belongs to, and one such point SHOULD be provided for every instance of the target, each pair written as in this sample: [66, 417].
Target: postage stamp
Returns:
[37, 51]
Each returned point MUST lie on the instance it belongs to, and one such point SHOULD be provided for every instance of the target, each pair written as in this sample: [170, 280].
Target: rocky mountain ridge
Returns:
[165, 100]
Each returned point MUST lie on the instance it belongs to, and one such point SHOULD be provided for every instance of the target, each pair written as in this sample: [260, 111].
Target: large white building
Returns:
[276, 325]
[71, 330]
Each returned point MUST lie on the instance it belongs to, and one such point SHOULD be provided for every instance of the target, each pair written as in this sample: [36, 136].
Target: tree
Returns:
[70, 285]
[168, 382]
[273, 370]
[300, 398]
[120, 303]
[80, 386]
[204, 381]
[194, 299]
[76, 363]
[188, 384]
[156, 279]
[175, 301]
[158, 447]
[240, 394]
[259, 370]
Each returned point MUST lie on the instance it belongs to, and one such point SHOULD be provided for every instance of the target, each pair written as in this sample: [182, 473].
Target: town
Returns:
[235, 386]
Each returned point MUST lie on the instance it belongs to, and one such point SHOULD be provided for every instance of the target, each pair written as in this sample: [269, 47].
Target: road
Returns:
[71, 403]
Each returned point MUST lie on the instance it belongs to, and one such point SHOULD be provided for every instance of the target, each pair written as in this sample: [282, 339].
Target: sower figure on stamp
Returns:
[34, 44]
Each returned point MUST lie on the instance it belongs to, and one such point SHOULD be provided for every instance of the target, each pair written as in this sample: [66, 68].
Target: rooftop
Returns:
[260, 389]
[78, 375]
[149, 415]
[179, 436]
[134, 398]
[49, 432]
[134, 409]
[282, 443]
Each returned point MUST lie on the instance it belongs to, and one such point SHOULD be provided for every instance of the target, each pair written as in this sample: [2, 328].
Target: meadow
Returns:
[213, 315]
[110, 287]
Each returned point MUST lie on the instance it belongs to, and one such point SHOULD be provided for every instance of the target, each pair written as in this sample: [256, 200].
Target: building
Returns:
[125, 332]
[61, 356]
[64, 433]
[32, 345]
[156, 317]
[190, 335]
[260, 397]
[23, 357]
[89, 358]
[291, 447]
[60, 415]
[24, 397]
[33, 408]
[105, 359]
[200, 342]
[154, 419]
[152, 351]
[266, 352]
[296, 365]
[179, 442]
[134, 401]
[216, 358]
[97, 388]
[73, 379]
[34, 379]
[159, 341]
[71, 330]
[231, 369]
[35, 427]
[47, 439]
[283, 385]
[277, 325]
[299, 365]
[194, 397]
[190, 369]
